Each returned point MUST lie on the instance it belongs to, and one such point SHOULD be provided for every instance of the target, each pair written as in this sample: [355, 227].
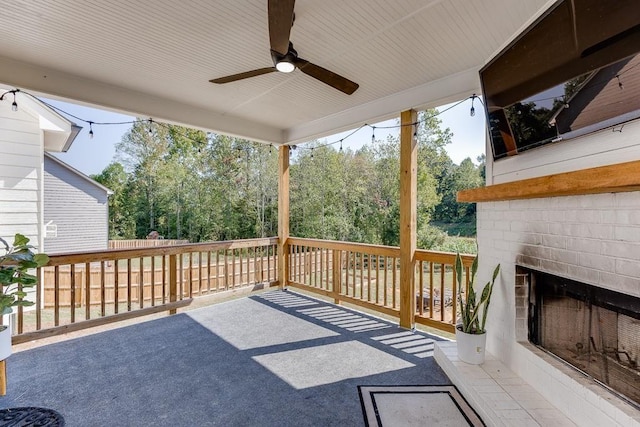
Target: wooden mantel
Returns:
[604, 179]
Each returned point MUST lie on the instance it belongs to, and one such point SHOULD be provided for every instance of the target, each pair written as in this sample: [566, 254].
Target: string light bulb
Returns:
[14, 104]
[90, 130]
[415, 131]
[373, 134]
[619, 82]
[341, 146]
[312, 153]
[150, 130]
[473, 110]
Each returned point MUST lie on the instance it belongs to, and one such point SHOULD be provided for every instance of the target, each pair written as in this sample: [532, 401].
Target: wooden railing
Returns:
[81, 290]
[144, 243]
[369, 276]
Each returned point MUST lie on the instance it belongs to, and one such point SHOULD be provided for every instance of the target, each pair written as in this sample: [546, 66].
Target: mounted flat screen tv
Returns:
[574, 71]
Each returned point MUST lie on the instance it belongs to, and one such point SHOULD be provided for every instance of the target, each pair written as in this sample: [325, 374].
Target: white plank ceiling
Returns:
[154, 58]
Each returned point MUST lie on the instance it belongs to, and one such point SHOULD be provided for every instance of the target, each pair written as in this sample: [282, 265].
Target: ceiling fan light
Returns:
[285, 66]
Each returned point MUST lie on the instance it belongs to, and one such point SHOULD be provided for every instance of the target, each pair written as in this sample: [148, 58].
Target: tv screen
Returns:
[575, 70]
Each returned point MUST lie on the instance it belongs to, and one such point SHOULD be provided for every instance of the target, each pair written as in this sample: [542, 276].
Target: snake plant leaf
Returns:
[473, 311]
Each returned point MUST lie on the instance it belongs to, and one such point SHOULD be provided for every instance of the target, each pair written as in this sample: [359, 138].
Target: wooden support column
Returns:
[283, 216]
[408, 214]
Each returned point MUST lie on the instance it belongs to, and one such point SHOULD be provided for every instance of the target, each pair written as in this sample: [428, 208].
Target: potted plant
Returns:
[471, 336]
[15, 264]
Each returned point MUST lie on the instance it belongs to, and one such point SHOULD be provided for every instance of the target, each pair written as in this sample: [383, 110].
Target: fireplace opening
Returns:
[595, 330]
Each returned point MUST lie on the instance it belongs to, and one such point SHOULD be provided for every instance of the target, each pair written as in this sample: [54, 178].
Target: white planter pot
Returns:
[471, 347]
[5, 339]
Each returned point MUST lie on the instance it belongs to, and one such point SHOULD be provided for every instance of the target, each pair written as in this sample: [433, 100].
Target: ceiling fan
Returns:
[285, 58]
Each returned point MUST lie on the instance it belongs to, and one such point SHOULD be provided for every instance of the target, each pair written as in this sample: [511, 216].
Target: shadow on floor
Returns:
[276, 359]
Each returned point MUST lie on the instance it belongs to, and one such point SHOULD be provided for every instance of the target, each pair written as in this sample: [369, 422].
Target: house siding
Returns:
[20, 174]
[77, 207]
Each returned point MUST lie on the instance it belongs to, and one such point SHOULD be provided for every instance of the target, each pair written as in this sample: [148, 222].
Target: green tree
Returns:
[121, 217]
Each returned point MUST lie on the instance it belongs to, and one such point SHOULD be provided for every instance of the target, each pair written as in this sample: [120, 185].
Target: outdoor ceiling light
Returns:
[285, 65]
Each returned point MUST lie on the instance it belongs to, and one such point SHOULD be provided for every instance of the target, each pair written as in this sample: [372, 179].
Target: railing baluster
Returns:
[200, 290]
[431, 268]
[173, 280]
[153, 281]
[72, 305]
[355, 263]
[269, 264]
[442, 295]
[208, 272]
[421, 284]
[394, 281]
[241, 269]
[129, 284]
[164, 279]
[20, 313]
[103, 291]
[225, 269]
[368, 277]
[233, 268]
[386, 281]
[248, 261]
[39, 290]
[56, 296]
[453, 297]
[87, 292]
[141, 283]
[255, 265]
[116, 290]
[180, 259]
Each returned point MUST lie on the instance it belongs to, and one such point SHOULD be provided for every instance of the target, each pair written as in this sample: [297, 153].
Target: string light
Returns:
[619, 82]
[415, 131]
[312, 153]
[152, 122]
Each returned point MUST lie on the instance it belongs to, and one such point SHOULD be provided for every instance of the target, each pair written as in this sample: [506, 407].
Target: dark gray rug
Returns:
[404, 406]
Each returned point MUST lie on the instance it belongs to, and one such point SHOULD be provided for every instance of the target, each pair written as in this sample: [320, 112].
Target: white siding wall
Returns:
[590, 238]
[78, 208]
[21, 154]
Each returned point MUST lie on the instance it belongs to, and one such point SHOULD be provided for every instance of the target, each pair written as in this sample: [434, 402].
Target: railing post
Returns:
[337, 275]
[283, 215]
[408, 214]
[173, 280]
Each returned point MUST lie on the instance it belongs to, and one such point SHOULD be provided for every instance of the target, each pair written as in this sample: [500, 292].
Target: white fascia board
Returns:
[433, 94]
[66, 86]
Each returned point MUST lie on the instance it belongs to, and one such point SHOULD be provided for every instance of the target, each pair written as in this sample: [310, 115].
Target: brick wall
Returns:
[593, 239]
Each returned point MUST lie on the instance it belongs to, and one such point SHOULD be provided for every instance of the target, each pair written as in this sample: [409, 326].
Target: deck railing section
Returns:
[88, 289]
[369, 276]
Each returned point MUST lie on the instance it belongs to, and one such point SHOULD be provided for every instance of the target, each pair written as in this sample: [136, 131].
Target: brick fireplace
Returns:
[591, 239]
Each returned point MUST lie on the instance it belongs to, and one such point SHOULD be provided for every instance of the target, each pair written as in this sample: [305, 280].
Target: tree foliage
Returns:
[188, 184]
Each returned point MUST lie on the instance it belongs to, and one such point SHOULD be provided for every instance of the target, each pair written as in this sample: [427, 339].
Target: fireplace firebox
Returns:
[593, 329]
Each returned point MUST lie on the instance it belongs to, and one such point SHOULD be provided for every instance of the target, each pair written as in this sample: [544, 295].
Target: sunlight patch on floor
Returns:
[326, 364]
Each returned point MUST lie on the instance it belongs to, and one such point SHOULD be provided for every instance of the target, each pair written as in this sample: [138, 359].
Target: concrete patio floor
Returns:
[273, 359]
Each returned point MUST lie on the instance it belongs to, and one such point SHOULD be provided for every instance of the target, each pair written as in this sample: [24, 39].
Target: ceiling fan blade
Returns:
[329, 77]
[280, 23]
[245, 75]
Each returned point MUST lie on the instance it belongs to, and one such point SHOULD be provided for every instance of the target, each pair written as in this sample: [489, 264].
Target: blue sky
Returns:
[92, 155]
